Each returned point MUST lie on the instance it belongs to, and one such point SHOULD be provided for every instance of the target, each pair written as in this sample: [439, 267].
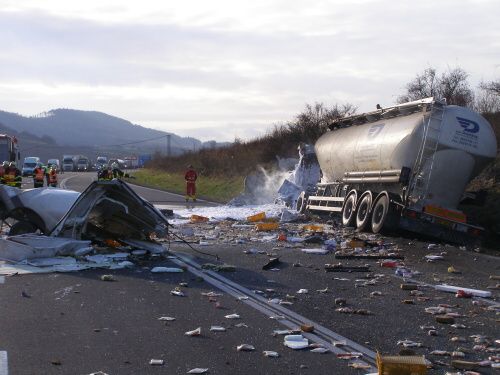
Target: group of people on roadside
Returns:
[42, 173]
[10, 175]
[109, 172]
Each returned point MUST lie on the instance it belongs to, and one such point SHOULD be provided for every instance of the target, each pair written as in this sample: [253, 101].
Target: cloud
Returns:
[233, 65]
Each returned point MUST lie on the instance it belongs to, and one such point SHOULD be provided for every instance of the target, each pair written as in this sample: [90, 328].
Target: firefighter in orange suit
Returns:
[190, 178]
[12, 176]
[38, 176]
[52, 177]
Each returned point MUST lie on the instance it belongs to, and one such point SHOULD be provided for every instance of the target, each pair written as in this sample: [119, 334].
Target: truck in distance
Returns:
[101, 161]
[403, 167]
[83, 164]
[68, 164]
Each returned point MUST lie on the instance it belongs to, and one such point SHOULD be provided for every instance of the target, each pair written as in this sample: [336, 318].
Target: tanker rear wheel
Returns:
[364, 211]
[380, 213]
[349, 211]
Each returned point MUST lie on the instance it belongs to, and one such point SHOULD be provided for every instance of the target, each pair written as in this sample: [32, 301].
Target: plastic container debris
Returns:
[156, 362]
[401, 365]
[296, 342]
[389, 263]
[166, 270]
[245, 348]
[349, 356]
[313, 228]
[166, 318]
[198, 219]
[177, 292]
[270, 353]
[194, 332]
[455, 289]
[320, 350]
[217, 329]
[198, 370]
[257, 217]
[266, 227]
[356, 243]
[317, 251]
[282, 237]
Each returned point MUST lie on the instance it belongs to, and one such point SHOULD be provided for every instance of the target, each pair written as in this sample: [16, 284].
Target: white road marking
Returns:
[4, 366]
[63, 182]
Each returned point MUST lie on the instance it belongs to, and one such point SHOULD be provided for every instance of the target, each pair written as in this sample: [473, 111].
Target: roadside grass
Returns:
[213, 188]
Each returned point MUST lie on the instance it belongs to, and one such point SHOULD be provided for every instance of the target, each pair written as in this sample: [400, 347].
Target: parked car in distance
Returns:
[29, 165]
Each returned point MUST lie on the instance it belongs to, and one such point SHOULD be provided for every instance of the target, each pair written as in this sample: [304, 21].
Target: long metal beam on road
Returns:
[288, 318]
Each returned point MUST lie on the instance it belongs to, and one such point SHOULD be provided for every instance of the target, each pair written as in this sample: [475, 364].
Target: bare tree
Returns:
[314, 119]
[487, 101]
[493, 86]
[451, 85]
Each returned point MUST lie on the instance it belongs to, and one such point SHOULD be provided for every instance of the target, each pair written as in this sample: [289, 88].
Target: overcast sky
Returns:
[220, 69]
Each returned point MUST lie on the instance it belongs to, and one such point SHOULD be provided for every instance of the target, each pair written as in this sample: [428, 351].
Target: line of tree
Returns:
[241, 157]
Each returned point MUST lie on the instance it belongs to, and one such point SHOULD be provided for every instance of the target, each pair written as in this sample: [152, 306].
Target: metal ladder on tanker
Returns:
[419, 187]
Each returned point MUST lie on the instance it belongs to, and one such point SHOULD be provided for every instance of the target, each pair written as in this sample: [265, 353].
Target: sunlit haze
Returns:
[222, 69]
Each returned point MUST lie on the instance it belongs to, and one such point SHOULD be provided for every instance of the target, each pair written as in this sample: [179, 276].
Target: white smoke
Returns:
[263, 186]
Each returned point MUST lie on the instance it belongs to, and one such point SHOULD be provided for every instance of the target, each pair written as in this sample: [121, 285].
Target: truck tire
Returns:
[364, 211]
[349, 210]
[380, 213]
[22, 227]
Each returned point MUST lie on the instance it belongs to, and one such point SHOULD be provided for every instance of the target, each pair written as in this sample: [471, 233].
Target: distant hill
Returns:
[75, 129]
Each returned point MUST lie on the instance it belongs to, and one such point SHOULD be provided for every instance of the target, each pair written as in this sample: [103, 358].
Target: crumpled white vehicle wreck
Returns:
[67, 220]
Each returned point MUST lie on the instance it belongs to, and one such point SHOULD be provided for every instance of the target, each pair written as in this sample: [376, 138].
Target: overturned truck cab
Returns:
[106, 209]
[403, 167]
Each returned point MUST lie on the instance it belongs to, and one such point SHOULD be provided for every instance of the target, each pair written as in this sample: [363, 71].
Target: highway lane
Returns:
[79, 181]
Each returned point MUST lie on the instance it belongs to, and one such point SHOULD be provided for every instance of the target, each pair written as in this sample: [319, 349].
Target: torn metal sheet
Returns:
[42, 207]
[106, 209]
[31, 246]
[111, 209]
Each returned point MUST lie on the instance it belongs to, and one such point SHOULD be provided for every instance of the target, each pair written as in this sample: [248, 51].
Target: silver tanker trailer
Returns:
[405, 167]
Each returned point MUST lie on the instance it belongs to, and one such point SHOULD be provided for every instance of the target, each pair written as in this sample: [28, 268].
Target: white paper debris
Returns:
[296, 342]
[245, 348]
[194, 332]
[166, 270]
[270, 353]
[166, 318]
[156, 362]
[198, 370]
[317, 251]
[217, 329]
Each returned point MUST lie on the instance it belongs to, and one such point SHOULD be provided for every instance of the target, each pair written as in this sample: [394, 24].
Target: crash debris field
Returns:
[210, 294]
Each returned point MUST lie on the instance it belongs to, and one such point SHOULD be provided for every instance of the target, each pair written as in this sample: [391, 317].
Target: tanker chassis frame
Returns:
[373, 200]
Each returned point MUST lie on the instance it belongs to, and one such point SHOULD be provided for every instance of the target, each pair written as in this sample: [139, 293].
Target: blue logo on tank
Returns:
[468, 125]
[375, 130]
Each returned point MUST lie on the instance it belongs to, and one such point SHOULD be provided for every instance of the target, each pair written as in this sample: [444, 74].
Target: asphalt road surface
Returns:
[74, 323]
